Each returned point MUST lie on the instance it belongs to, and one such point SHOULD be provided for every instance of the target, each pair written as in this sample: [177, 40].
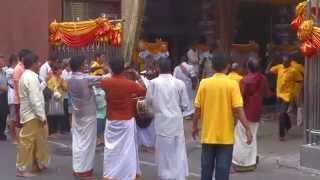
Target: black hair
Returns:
[29, 60]
[53, 56]
[116, 65]
[76, 62]
[12, 59]
[23, 52]
[220, 62]
[253, 65]
[164, 65]
[97, 54]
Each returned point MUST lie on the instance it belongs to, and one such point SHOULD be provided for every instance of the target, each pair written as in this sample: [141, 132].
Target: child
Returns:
[101, 114]
[55, 112]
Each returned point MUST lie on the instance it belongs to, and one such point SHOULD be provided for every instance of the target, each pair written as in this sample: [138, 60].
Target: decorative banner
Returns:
[80, 34]
[157, 50]
[307, 31]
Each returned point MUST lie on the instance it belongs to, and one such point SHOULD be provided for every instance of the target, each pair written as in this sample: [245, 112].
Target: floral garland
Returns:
[82, 33]
[307, 31]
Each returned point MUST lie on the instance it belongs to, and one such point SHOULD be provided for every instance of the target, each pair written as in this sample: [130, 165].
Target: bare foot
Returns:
[24, 174]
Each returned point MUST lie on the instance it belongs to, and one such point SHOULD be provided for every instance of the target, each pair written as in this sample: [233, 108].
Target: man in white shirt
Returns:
[45, 69]
[193, 58]
[185, 72]
[169, 99]
[34, 132]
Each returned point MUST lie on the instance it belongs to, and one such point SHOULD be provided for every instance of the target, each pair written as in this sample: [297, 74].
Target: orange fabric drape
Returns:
[80, 34]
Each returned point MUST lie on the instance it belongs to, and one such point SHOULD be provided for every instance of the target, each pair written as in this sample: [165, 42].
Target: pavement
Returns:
[272, 158]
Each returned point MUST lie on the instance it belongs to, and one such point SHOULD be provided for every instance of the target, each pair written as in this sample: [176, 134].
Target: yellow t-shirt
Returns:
[287, 78]
[99, 68]
[56, 83]
[235, 76]
[216, 97]
[300, 69]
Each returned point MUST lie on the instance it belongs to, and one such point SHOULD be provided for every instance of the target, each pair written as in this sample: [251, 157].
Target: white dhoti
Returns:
[245, 155]
[121, 159]
[84, 134]
[171, 158]
[147, 136]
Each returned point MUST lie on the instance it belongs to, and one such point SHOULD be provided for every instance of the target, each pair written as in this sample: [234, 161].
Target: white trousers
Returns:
[171, 158]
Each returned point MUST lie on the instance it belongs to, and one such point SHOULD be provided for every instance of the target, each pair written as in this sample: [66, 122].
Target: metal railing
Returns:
[312, 86]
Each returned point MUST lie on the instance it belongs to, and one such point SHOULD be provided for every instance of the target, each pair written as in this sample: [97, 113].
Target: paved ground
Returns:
[270, 150]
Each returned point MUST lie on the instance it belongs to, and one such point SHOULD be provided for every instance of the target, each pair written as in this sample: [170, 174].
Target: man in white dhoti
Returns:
[84, 123]
[121, 160]
[147, 136]
[169, 98]
[186, 73]
[254, 88]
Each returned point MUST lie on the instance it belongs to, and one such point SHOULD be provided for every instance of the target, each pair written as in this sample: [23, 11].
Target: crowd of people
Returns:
[98, 104]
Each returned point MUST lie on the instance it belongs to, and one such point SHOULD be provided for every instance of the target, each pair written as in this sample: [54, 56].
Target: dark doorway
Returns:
[254, 23]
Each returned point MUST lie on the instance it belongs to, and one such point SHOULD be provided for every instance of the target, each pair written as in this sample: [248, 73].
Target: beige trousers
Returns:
[33, 145]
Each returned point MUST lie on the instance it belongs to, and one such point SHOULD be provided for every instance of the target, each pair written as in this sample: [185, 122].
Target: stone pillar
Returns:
[311, 150]
[132, 12]
[225, 18]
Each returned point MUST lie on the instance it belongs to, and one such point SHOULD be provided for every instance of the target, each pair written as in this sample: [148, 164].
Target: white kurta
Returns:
[147, 136]
[245, 155]
[169, 97]
[186, 78]
[121, 152]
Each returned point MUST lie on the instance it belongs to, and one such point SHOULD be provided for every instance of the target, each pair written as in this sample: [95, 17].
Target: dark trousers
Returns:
[218, 158]
[284, 119]
[56, 123]
[66, 116]
[3, 122]
[4, 109]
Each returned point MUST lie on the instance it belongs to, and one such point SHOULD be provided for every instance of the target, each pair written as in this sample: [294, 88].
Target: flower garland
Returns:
[82, 33]
[307, 31]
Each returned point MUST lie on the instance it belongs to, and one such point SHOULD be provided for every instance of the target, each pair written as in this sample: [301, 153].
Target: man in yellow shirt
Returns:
[235, 72]
[287, 78]
[217, 98]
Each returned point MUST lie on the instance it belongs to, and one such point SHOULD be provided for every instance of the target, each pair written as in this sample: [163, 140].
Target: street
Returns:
[270, 151]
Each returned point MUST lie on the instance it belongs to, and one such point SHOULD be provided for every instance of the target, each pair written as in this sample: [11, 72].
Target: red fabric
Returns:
[121, 95]
[83, 174]
[254, 88]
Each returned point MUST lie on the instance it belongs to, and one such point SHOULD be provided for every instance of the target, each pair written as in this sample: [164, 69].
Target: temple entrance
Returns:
[264, 24]
[254, 23]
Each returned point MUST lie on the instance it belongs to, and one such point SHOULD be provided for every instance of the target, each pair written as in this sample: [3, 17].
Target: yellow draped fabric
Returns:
[79, 34]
